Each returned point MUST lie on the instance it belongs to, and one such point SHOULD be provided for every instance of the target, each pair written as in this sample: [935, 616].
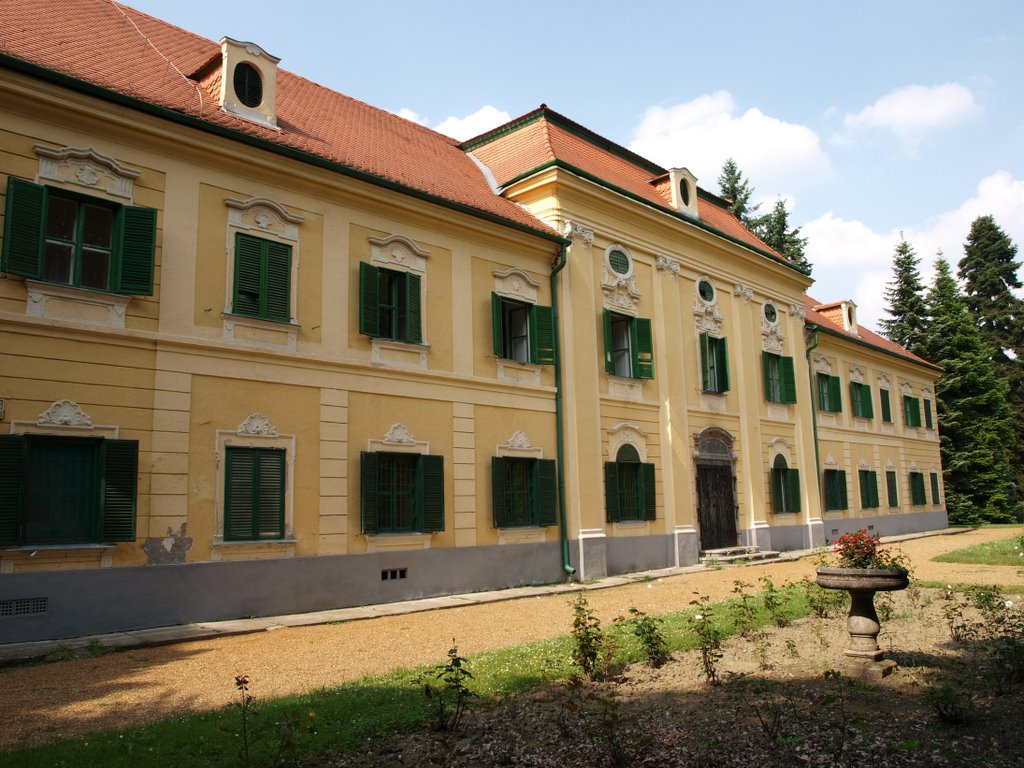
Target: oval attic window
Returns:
[684, 192]
[770, 314]
[706, 291]
[619, 262]
[248, 86]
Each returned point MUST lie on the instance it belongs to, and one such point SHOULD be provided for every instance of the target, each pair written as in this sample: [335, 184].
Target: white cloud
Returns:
[409, 114]
[481, 121]
[702, 134]
[849, 254]
[912, 111]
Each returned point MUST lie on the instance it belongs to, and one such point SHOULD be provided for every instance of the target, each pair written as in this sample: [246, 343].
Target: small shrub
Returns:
[652, 641]
[446, 687]
[588, 639]
[952, 704]
[709, 639]
[771, 596]
[745, 611]
[823, 602]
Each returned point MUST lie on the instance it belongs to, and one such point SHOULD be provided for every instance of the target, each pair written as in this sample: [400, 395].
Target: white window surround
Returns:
[516, 284]
[256, 431]
[398, 439]
[86, 169]
[780, 447]
[822, 364]
[519, 446]
[620, 290]
[625, 433]
[400, 254]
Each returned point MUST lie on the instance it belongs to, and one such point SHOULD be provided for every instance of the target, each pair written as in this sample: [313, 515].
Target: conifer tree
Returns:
[990, 272]
[904, 298]
[775, 231]
[732, 186]
[974, 419]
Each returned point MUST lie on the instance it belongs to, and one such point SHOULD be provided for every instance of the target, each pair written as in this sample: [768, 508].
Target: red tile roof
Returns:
[544, 136]
[829, 317]
[131, 53]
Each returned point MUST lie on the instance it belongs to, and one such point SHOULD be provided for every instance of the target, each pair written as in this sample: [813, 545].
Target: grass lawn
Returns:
[1005, 552]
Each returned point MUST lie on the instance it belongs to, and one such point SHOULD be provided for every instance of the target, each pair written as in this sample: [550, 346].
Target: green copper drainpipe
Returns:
[559, 430]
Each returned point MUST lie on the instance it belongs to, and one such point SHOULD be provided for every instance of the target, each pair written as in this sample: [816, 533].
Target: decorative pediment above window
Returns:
[398, 252]
[863, 463]
[830, 461]
[64, 413]
[399, 439]
[257, 425]
[519, 444]
[780, 447]
[906, 389]
[85, 167]
[619, 282]
[883, 381]
[515, 283]
[822, 364]
[772, 337]
[709, 318]
[890, 464]
[926, 393]
[913, 467]
[624, 433]
[857, 374]
[263, 215]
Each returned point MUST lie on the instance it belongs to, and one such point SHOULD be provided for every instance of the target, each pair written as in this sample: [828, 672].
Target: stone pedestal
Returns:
[862, 621]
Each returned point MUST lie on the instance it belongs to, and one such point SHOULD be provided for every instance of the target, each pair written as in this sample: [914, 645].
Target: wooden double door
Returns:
[716, 505]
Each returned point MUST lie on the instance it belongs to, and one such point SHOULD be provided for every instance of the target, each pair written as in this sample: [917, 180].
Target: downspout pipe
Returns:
[559, 425]
[815, 336]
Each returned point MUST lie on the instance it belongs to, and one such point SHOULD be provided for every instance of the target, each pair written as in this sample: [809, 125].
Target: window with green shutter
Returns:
[911, 411]
[917, 494]
[892, 489]
[522, 332]
[628, 346]
[928, 423]
[714, 363]
[936, 497]
[785, 487]
[401, 492]
[390, 304]
[835, 489]
[67, 490]
[263, 274]
[523, 492]
[629, 487]
[779, 379]
[860, 400]
[883, 399]
[868, 489]
[254, 493]
[62, 237]
[829, 393]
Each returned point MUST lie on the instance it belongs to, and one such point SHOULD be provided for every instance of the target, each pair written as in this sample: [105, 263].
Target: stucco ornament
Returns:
[709, 317]
[620, 292]
[772, 337]
[64, 413]
[399, 435]
[257, 424]
[668, 264]
[576, 231]
[745, 292]
[519, 440]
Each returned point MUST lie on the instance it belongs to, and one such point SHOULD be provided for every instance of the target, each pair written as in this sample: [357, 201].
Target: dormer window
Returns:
[850, 317]
[684, 191]
[249, 82]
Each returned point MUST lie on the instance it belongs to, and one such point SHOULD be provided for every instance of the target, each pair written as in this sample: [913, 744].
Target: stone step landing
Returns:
[736, 555]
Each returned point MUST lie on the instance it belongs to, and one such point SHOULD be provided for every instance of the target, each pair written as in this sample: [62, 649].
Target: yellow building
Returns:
[269, 349]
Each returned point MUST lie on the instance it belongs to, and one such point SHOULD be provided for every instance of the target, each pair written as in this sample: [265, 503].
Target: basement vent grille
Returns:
[25, 606]
[390, 574]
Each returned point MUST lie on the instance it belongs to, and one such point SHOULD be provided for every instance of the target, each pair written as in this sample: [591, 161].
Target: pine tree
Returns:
[990, 273]
[732, 186]
[904, 300]
[775, 231]
[974, 419]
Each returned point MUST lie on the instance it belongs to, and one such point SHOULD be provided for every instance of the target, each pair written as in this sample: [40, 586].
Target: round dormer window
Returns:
[706, 290]
[770, 313]
[248, 85]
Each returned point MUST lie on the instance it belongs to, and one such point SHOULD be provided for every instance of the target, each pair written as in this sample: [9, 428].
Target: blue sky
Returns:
[870, 118]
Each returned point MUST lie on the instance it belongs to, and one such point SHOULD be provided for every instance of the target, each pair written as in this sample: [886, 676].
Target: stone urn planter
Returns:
[862, 621]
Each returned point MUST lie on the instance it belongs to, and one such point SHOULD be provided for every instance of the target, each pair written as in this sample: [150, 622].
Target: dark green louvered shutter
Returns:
[705, 363]
[368, 484]
[867, 405]
[792, 480]
[497, 326]
[723, 365]
[787, 378]
[269, 520]
[835, 394]
[239, 503]
[248, 258]
[12, 449]
[542, 335]
[498, 492]
[431, 487]
[120, 490]
[844, 502]
[777, 474]
[369, 300]
[137, 235]
[23, 228]
[609, 356]
[546, 492]
[643, 348]
[935, 488]
[647, 478]
[611, 491]
[892, 489]
[929, 424]
[413, 309]
[278, 282]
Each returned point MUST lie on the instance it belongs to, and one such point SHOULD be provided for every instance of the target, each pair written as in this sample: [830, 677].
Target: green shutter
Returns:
[413, 309]
[647, 478]
[911, 411]
[917, 494]
[137, 249]
[928, 414]
[776, 475]
[843, 501]
[369, 301]
[792, 490]
[23, 228]
[835, 394]
[368, 483]
[935, 488]
[705, 362]
[239, 496]
[498, 492]
[855, 404]
[883, 398]
[766, 363]
[546, 492]
[497, 326]
[788, 379]
[120, 489]
[866, 403]
[542, 335]
[431, 487]
[611, 491]
[278, 284]
[248, 258]
[723, 365]
[12, 448]
[269, 520]
[643, 350]
[891, 489]
[609, 361]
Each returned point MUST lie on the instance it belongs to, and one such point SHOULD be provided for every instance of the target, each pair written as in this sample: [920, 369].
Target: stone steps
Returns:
[736, 555]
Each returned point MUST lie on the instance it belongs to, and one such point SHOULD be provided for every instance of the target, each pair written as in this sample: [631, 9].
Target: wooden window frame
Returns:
[629, 488]
[540, 332]
[530, 482]
[779, 378]
[427, 492]
[835, 490]
[638, 349]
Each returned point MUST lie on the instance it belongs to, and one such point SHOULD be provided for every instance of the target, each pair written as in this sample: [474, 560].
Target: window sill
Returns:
[47, 555]
[526, 534]
[67, 302]
[386, 542]
[257, 332]
[515, 372]
[402, 354]
[716, 401]
[280, 547]
[627, 388]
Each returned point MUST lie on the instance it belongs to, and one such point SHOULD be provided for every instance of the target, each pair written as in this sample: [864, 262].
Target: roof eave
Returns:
[854, 340]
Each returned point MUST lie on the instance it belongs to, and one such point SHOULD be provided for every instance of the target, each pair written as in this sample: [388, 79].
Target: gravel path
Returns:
[59, 700]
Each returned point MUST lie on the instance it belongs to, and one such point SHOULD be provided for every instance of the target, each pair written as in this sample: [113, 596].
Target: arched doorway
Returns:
[716, 495]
